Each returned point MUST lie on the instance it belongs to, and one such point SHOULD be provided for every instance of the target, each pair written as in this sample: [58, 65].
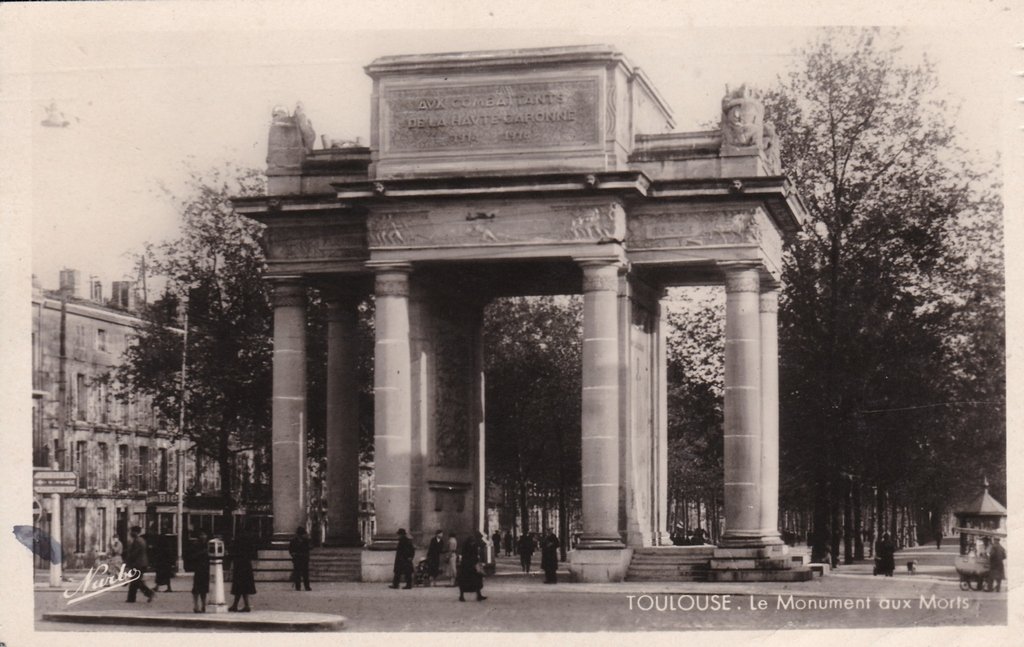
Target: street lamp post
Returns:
[181, 440]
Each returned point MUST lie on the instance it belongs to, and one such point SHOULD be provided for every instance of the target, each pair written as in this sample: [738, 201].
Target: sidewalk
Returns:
[520, 602]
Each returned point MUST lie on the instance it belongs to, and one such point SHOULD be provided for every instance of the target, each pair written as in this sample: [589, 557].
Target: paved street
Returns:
[850, 597]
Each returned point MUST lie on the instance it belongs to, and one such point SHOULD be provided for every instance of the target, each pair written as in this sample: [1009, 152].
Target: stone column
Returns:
[742, 407]
[769, 309]
[289, 407]
[392, 417]
[600, 441]
[663, 536]
[342, 421]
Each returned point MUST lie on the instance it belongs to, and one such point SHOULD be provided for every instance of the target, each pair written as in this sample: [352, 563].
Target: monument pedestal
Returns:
[599, 564]
[377, 565]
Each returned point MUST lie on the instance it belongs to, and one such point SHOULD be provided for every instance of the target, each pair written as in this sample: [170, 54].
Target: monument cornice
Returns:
[776, 193]
[633, 183]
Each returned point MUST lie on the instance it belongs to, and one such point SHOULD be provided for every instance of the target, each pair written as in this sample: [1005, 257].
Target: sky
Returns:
[146, 95]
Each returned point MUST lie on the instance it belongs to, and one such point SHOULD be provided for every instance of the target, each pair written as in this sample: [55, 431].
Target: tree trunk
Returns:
[819, 523]
[848, 521]
[858, 525]
[224, 466]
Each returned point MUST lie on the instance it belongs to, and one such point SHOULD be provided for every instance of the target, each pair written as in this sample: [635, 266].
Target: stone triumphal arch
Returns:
[525, 172]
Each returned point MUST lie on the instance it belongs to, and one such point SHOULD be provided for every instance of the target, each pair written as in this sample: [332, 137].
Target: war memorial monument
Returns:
[510, 173]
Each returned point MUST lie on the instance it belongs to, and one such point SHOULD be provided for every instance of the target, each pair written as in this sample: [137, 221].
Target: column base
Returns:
[764, 563]
[756, 539]
[376, 565]
[599, 565]
[600, 542]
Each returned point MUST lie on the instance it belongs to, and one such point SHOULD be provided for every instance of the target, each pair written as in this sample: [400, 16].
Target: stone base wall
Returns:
[600, 565]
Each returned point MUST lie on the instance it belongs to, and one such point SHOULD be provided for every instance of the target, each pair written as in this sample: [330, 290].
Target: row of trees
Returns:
[891, 323]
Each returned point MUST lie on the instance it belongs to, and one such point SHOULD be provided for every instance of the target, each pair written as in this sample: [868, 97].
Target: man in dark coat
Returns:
[136, 557]
[298, 548]
[885, 552]
[508, 543]
[434, 551]
[243, 579]
[471, 567]
[996, 563]
[200, 572]
[403, 560]
[549, 557]
[525, 548]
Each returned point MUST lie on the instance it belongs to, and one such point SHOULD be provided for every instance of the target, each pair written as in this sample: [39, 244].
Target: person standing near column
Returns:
[453, 558]
[298, 548]
[434, 556]
[404, 554]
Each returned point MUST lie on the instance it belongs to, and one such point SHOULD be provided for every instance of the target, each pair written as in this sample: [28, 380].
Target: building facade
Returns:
[124, 455]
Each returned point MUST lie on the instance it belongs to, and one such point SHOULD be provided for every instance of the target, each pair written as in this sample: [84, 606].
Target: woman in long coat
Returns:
[471, 577]
[453, 559]
[243, 582]
[549, 558]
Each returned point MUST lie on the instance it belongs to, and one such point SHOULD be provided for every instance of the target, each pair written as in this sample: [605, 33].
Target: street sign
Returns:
[54, 482]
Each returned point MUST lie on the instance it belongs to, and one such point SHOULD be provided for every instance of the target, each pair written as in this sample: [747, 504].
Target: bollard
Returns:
[215, 549]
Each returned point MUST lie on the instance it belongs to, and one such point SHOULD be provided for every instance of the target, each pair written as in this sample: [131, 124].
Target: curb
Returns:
[263, 621]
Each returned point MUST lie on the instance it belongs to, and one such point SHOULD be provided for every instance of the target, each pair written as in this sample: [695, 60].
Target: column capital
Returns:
[600, 274]
[287, 292]
[741, 277]
[769, 301]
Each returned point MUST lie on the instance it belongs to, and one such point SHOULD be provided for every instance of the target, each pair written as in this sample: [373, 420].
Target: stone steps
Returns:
[670, 564]
[325, 565]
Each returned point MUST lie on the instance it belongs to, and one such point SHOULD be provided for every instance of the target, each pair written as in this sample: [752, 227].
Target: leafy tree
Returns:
[696, 353]
[216, 264]
[874, 343]
[533, 388]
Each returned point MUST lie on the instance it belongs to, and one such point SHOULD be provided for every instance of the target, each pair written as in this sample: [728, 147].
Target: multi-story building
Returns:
[125, 456]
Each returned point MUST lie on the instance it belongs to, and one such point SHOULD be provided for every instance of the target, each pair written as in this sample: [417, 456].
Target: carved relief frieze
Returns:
[496, 224]
[596, 223]
[395, 229]
[704, 228]
[454, 385]
[314, 243]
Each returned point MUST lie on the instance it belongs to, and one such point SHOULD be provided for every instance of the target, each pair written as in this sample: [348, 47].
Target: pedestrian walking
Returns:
[434, 551]
[471, 568]
[508, 543]
[549, 557]
[243, 580]
[496, 543]
[200, 559]
[525, 549]
[996, 563]
[136, 557]
[453, 559]
[298, 548]
[404, 554]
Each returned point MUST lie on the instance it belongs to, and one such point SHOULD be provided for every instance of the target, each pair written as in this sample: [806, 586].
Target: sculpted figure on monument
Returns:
[305, 127]
[742, 118]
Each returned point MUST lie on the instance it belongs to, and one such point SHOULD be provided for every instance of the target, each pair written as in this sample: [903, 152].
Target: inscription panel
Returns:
[536, 114]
